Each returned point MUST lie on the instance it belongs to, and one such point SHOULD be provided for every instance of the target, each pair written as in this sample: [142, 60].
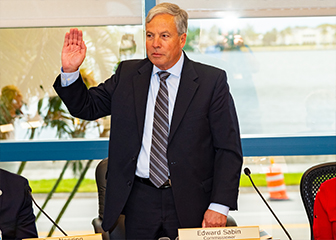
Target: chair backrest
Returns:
[310, 184]
[118, 231]
[101, 185]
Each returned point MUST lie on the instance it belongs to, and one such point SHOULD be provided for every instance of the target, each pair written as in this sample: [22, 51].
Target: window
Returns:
[30, 62]
[282, 71]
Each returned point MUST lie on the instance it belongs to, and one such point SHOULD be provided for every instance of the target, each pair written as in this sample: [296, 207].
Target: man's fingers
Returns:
[214, 219]
[74, 37]
[66, 40]
[71, 36]
[80, 37]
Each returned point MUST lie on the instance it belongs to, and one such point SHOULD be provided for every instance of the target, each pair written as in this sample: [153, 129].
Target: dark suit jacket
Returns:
[204, 149]
[17, 220]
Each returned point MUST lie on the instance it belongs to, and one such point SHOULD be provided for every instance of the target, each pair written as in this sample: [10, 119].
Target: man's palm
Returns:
[74, 51]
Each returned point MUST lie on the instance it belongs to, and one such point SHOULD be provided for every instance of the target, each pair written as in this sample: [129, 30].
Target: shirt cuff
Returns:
[219, 208]
[68, 78]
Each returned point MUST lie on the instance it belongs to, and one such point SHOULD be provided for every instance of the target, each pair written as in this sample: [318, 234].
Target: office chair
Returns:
[118, 231]
[119, 227]
[310, 184]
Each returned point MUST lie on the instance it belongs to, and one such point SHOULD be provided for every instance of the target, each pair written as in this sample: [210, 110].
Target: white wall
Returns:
[256, 8]
[43, 13]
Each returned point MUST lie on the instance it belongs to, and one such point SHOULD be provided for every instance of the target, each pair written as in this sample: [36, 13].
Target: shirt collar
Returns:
[174, 70]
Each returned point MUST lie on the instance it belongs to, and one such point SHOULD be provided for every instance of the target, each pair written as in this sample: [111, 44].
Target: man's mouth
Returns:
[156, 54]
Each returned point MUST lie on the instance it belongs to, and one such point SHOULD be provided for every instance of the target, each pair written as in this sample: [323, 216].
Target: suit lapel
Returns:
[140, 87]
[186, 91]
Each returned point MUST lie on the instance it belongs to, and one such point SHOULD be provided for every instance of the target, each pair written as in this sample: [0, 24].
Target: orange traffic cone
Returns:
[276, 183]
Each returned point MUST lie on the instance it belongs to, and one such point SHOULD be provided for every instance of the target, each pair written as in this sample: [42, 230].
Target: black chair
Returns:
[231, 222]
[119, 227]
[310, 184]
[118, 231]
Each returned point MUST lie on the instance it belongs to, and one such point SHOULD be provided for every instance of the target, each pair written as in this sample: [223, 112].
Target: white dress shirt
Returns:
[173, 82]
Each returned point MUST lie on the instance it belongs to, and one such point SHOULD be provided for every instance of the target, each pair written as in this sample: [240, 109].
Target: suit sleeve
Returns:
[87, 104]
[226, 139]
[26, 227]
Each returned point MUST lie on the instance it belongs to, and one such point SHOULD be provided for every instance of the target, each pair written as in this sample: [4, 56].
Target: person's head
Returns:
[166, 33]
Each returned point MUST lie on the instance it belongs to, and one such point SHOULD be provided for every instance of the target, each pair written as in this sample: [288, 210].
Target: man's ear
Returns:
[183, 39]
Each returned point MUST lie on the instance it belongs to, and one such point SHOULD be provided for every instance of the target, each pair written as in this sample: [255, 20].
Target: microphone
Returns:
[247, 173]
[53, 222]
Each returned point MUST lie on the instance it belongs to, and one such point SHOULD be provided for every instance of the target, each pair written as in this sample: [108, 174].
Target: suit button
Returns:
[172, 163]
[129, 183]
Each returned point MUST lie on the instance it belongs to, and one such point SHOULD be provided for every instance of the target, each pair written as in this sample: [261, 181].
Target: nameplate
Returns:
[223, 233]
[97, 236]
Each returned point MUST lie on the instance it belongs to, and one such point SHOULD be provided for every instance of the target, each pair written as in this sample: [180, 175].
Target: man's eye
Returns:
[149, 35]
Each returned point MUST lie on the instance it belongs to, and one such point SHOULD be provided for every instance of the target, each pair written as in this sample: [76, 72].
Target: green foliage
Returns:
[89, 185]
[55, 115]
[325, 25]
[259, 179]
[249, 32]
[293, 178]
[270, 37]
[65, 186]
[193, 33]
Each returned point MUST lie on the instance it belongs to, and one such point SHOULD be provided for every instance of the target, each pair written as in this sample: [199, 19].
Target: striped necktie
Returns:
[158, 170]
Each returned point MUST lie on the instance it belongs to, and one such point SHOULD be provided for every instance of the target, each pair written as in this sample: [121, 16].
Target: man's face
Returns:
[163, 44]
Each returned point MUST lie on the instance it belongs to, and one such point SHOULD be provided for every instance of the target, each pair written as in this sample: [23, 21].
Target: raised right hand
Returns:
[74, 50]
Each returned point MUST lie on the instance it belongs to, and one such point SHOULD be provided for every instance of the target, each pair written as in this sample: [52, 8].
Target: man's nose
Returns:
[156, 42]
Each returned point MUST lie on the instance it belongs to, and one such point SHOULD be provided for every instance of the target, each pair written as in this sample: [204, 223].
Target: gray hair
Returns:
[180, 15]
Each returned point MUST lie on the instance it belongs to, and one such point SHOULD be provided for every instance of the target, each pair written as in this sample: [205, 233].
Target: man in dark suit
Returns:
[17, 220]
[196, 181]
